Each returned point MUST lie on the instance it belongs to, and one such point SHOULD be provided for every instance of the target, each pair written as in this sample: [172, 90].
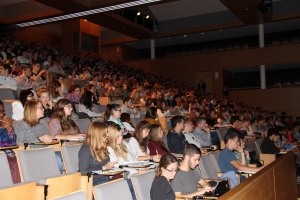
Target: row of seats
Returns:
[35, 169]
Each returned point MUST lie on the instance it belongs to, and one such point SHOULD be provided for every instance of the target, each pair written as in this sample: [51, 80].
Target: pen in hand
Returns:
[156, 151]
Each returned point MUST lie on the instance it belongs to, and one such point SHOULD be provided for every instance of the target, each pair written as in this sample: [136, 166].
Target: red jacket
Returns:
[155, 148]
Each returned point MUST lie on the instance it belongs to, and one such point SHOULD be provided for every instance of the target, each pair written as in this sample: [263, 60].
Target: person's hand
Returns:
[240, 149]
[50, 104]
[109, 165]
[135, 111]
[283, 143]
[46, 138]
[79, 136]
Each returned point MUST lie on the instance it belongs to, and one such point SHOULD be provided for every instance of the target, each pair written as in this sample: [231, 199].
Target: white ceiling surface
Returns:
[186, 8]
[7, 2]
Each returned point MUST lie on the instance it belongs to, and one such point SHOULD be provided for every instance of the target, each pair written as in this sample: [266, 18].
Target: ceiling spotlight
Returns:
[184, 36]
[138, 14]
[85, 20]
[147, 16]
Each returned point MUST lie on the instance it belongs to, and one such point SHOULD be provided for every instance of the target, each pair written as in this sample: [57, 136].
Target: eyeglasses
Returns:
[2, 111]
[174, 170]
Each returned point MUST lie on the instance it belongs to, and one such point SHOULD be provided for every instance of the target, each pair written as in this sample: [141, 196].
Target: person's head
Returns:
[33, 111]
[273, 135]
[63, 108]
[151, 112]
[161, 104]
[44, 96]
[231, 140]
[90, 87]
[113, 110]
[127, 101]
[156, 132]
[225, 112]
[201, 123]
[36, 67]
[53, 89]
[177, 122]
[125, 117]
[25, 95]
[26, 71]
[5, 69]
[191, 155]
[141, 133]
[87, 99]
[96, 138]
[60, 78]
[188, 126]
[75, 89]
[115, 139]
[168, 167]
[235, 120]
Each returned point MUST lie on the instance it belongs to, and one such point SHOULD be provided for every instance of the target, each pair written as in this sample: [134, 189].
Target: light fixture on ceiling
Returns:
[85, 20]
[147, 16]
[138, 13]
[87, 12]
[184, 36]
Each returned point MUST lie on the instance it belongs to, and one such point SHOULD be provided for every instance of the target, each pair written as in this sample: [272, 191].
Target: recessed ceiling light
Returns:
[184, 36]
[147, 17]
[138, 14]
[85, 20]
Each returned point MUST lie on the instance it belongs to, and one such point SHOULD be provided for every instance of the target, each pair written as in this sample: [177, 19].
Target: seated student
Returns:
[151, 115]
[228, 161]
[127, 108]
[44, 98]
[165, 172]
[160, 108]
[8, 138]
[185, 182]
[61, 126]
[138, 143]
[242, 155]
[156, 144]
[86, 105]
[175, 137]
[268, 144]
[74, 94]
[18, 106]
[126, 120]
[202, 132]
[118, 152]
[93, 154]
[189, 136]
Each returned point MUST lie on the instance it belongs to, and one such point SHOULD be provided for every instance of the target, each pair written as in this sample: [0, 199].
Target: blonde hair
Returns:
[113, 133]
[94, 138]
[30, 110]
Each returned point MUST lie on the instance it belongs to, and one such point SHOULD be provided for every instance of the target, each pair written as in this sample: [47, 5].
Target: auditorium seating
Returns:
[117, 189]
[80, 195]
[70, 158]
[221, 133]
[8, 94]
[142, 185]
[9, 190]
[265, 158]
[40, 165]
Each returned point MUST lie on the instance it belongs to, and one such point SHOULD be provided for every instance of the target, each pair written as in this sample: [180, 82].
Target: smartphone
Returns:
[197, 197]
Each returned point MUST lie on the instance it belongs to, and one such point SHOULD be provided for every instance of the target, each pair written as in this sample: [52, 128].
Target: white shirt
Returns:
[160, 114]
[23, 60]
[8, 82]
[90, 113]
[134, 148]
[192, 139]
[17, 110]
[128, 126]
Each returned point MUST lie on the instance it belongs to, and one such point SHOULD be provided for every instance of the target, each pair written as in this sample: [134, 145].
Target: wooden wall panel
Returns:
[114, 52]
[43, 36]
[276, 99]
[68, 28]
[183, 68]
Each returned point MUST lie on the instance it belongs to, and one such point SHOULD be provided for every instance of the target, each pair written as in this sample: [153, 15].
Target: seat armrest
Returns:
[267, 158]
[252, 165]
[87, 185]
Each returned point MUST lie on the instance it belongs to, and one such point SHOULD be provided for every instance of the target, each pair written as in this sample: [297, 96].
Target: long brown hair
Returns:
[66, 122]
[154, 136]
[164, 162]
[138, 134]
[94, 138]
[113, 134]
